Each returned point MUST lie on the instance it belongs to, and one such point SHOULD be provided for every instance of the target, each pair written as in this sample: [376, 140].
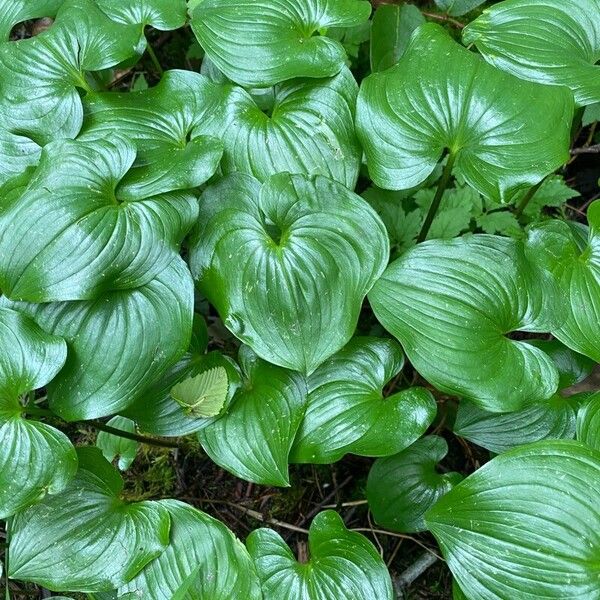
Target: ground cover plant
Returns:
[300, 299]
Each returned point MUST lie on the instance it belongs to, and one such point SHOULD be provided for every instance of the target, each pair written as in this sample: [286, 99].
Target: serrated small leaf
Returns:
[448, 301]
[347, 411]
[526, 525]
[87, 538]
[503, 222]
[204, 561]
[553, 192]
[441, 96]
[313, 249]
[390, 32]
[554, 42]
[403, 487]
[202, 395]
[261, 43]
[588, 422]
[253, 438]
[342, 564]
[117, 447]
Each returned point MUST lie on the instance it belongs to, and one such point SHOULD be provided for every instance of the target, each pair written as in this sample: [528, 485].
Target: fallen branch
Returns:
[406, 578]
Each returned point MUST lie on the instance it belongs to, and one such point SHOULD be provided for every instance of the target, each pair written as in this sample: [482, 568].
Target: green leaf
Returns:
[554, 192]
[312, 250]
[591, 114]
[35, 458]
[162, 122]
[41, 77]
[202, 395]
[205, 551]
[17, 153]
[156, 412]
[342, 564]
[554, 42]
[440, 96]
[390, 32]
[306, 127]
[457, 8]
[348, 412]
[253, 438]
[498, 432]
[588, 422]
[451, 304]
[525, 525]
[114, 446]
[118, 344]
[160, 14]
[403, 487]
[73, 202]
[503, 222]
[87, 538]
[261, 43]
[13, 12]
[575, 267]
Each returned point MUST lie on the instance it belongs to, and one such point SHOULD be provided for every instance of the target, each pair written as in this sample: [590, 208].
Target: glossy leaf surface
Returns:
[117, 447]
[72, 202]
[202, 550]
[554, 42]
[348, 412]
[261, 43]
[451, 304]
[118, 344]
[253, 438]
[87, 538]
[588, 422]
[342, 564]
[311, 251]
[441, 96]
[456, 8]
[525, 525]
[13, 12]
[403, 487]
[160, 14]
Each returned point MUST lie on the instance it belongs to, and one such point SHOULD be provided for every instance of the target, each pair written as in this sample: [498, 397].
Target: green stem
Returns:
[526, 198]
[132, 436]
[439, 193]
[154, 58]
[38, 412]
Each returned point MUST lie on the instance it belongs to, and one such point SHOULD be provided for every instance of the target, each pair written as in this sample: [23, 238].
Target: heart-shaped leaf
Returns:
[40, 77]
[118, 344]
[555, 42]
[35, 458]
[342, 564]
[312, 250]
[87, 538]
[160, 14]
[347, 410]
[526, 525]
[253, 438]
[550, 419]
[503, 134]
[162, 122]
[261, 43]
[117, 447]
[588, 422]
[72, 202]
[451, 304]
[155, 411]
[403, 487]
[390, 32]
[13, 12]
[204, 550]
[575, 266]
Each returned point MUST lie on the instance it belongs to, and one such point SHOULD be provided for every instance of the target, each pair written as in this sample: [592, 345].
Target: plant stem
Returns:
[444, 18]
[526, 198]
[406, 578]
[131, 436]
[154, 58]
[38, 412]
[442, 185]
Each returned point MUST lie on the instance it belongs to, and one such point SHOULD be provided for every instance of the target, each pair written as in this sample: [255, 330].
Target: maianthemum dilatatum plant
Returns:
[368, 207]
